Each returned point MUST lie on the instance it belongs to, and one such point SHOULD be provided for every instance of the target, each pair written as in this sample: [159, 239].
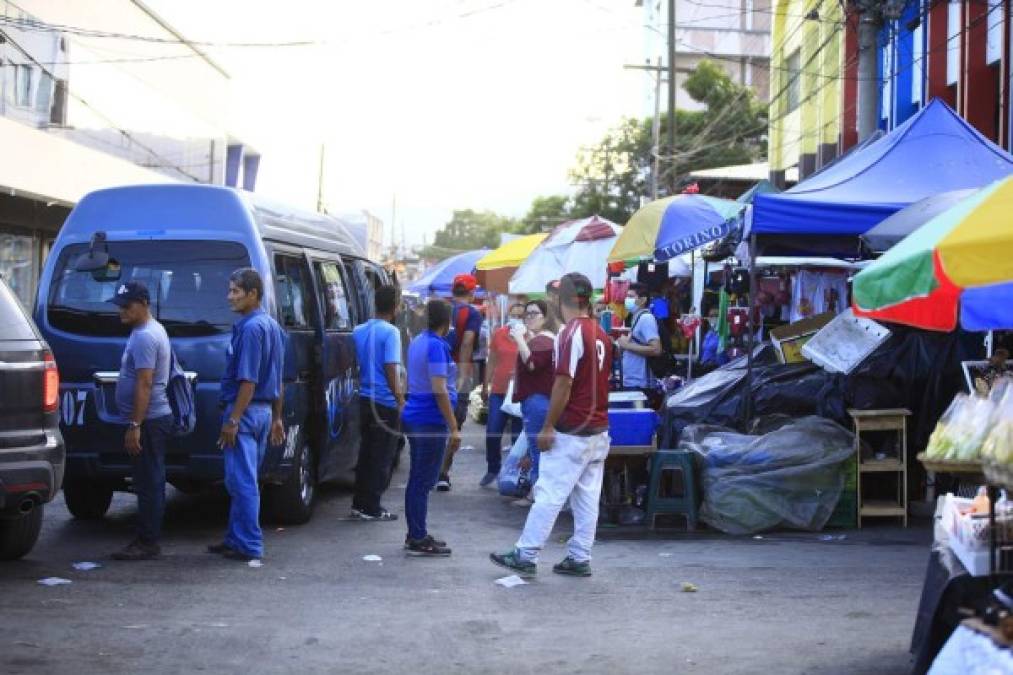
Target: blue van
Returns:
[183, 241]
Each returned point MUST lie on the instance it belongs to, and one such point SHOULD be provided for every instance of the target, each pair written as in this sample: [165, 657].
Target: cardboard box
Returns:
[789, 340]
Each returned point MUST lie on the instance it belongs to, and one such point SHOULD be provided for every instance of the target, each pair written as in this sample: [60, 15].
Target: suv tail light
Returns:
[50, 384]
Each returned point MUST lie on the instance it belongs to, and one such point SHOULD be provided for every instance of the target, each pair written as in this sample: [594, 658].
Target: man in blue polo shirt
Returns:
[252, 396]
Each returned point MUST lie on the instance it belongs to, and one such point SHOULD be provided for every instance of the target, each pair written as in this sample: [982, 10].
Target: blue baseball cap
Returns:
[131, 291]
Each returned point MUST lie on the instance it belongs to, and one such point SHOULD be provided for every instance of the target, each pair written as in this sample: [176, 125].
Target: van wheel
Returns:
[18, 535]
[292, 502]
[87, 501]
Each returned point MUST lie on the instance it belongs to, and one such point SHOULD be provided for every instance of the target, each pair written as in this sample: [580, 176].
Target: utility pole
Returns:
[656, 133]
[672, 86]
[393, 225]
[320, 182]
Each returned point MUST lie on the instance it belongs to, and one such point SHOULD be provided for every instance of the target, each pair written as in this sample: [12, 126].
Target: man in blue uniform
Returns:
[252, 397]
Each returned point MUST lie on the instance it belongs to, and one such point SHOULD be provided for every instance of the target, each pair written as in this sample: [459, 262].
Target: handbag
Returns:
[511, 407]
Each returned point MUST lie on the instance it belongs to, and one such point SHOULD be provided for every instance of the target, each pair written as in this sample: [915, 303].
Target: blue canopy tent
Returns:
[439, 278]
[934, 151]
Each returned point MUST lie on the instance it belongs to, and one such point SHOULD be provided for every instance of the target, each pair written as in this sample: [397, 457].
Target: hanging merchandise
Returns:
[816, 293]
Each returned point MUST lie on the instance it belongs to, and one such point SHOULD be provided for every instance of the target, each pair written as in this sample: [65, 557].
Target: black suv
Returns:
[31, 446]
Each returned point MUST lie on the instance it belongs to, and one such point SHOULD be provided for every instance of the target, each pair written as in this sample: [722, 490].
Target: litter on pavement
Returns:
[510, 581]
[54, 581]
[833, 537]
[689, 588]
[372, 558]
[255, 563]
[86, 566]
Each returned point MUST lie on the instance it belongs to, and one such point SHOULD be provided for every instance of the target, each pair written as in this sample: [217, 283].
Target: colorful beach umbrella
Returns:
[495, 269]
[955, 269]
[439, 278]
[576, 246]
[669, 227]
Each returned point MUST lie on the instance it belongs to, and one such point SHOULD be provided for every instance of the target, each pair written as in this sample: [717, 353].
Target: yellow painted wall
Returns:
[816, 120]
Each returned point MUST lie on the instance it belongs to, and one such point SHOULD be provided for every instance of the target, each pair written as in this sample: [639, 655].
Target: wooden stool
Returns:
[893, 419]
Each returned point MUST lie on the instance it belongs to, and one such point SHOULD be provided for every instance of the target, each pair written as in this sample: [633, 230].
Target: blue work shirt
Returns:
[256, 354]
[428, 356]
[377, 343]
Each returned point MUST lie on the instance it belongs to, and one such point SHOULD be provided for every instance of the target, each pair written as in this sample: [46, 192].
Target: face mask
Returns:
[516, 324]
[631, 304]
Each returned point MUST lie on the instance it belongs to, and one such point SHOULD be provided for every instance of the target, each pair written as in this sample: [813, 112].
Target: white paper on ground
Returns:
[510, 581]
[54, 581]
[372, 558]
[255, 563]
[85, 566]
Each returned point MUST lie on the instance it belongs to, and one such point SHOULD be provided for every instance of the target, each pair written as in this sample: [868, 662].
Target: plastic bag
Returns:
[477, 408]
[998, 445]
[510, 406]
[514, 481]
[789, 478]
[961, 431]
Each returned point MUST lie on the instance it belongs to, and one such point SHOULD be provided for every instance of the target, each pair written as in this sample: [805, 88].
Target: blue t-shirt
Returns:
[635, 371]
[428, 356]
[377, 343]
[471, 320]
[256, 354]
[147, 347]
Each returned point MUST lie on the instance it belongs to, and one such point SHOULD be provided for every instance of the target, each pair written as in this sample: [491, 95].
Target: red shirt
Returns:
[584, 353]
[536, 376]
[505, 349]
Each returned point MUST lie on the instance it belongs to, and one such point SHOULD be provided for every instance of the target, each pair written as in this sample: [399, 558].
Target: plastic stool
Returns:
[673, 487]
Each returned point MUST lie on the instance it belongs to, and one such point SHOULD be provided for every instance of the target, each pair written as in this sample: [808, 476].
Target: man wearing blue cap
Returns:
[251, 392]
[143, 402]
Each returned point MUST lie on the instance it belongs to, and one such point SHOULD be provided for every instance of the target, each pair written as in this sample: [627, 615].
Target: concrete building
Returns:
[367, 230]
[732, 33]
[96, 93]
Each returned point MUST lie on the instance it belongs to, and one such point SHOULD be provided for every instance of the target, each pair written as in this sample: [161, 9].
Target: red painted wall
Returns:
[937, 56]
[849, 90]
[979, 82]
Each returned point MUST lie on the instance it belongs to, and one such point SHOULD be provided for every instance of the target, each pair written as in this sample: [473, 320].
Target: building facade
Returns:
[96, 93]
[954, 50]
[732, 33]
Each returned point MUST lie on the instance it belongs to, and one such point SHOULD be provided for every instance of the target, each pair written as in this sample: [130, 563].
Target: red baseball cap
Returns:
[467, 281]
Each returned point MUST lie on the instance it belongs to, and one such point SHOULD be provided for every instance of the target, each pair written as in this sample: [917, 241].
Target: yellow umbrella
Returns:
[512, 253]
[495, 269]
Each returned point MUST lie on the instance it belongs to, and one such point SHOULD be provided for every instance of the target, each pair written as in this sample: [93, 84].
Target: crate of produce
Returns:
[632, 426]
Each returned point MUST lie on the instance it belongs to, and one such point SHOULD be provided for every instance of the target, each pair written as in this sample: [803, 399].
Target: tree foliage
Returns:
[469, 230]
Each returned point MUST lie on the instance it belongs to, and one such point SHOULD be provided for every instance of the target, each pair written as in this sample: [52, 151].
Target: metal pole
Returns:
[320, 182]
[656, 132]
[672, 86]
[751, 338]
[869, 24]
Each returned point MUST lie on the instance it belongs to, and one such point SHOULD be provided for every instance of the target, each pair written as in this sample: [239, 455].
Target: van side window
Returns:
[292, 289]
[338, 313]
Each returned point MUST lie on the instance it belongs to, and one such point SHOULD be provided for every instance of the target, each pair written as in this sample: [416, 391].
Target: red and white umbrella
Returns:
[576, 246]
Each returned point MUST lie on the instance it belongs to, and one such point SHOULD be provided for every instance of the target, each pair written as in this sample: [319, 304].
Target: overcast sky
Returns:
[446, 103]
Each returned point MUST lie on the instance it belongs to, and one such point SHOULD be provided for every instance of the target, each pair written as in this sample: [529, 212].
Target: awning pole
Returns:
[751, 339]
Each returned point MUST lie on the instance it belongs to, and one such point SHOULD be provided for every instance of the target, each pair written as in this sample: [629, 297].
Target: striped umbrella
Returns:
[955, 269]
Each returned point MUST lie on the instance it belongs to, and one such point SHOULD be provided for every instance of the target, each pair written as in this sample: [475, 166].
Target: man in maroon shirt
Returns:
[574, 441]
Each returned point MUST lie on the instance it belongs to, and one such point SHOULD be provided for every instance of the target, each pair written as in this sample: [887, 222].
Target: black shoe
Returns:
[220, 549]
[138, 550]
[438, 542]
[427, 547]
[571, 567]
[382, 514]
[443, 485]
[232, 554]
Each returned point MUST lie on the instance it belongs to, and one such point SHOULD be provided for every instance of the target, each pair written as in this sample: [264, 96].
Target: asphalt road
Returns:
[787, 603]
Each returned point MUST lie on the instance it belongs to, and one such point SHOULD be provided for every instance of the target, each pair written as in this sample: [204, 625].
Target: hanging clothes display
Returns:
[816, 292]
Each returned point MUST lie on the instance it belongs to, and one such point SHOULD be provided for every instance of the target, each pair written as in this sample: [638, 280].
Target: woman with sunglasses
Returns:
[534, 375]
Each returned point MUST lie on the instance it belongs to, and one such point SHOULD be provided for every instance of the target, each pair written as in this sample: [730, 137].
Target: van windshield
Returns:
[188, 282]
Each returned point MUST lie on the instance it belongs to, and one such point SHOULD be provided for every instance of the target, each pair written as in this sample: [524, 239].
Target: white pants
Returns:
[574, 469]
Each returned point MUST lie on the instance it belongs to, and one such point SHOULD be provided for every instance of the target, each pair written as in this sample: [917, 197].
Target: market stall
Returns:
[576, 246]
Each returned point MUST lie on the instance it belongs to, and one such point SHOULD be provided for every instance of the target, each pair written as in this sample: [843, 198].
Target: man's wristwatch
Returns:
[134, 425]
[232, 422]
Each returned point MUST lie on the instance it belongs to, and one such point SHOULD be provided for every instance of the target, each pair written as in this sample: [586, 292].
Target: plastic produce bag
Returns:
[961, 431]
[791, 477]
[477, 408]
[998, 445]
[514, 481]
